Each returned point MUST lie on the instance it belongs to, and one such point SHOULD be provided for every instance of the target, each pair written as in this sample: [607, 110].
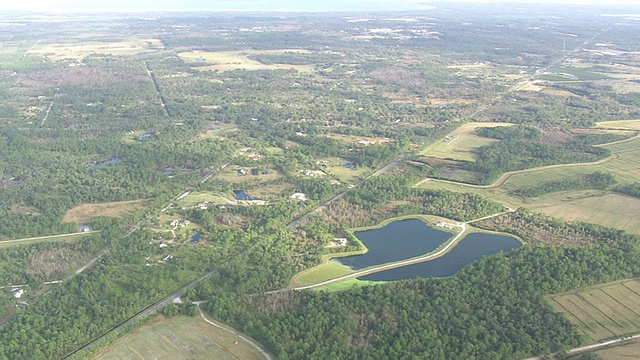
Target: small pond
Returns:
[243, 196]
[396, 241]
[471, 248]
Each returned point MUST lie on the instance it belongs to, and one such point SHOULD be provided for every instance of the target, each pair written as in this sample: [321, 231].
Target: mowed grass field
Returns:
[83, 213]
[232, 60]
[179, 338]
[461, 143]
[327, 271]
[335, 167]
[603, 311]
[61, 51]
[595, 206]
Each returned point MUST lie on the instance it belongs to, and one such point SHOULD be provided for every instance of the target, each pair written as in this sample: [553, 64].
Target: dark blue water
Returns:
[471, 248]
[398, 240]
[243, 196]
[196, 237]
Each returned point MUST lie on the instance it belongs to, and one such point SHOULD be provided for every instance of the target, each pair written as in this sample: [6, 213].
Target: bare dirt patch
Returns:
[85, 212]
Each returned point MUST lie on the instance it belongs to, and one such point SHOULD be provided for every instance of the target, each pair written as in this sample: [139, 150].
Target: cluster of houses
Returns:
[204, 205]
[175, 223]
[163, 260]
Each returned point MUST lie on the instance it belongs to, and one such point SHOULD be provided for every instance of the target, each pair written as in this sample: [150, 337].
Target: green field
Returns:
[572, 73]
[335, 167]
[620, 124]
[602, 311]
[596, 206]
[178, 338]
[330, 270]
[461, 143]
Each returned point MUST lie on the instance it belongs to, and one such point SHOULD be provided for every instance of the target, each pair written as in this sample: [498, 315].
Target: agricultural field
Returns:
[602, 311]
[242, 175]
[597, 206]
[77, 51]
[179, 337]
[572, 73]
[461, 143]
[620, 125]
[629, 351]
[84, 213]
[217, 131]
[232, 60]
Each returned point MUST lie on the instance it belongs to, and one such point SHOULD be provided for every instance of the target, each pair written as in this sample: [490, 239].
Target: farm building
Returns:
[298, 196]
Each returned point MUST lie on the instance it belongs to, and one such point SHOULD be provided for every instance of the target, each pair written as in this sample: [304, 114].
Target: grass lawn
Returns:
[327, 271]
[217, 131]
[179, 337]
[603, 311]
[461, 143]
[596, 206]
[81, 214]
[231, 60]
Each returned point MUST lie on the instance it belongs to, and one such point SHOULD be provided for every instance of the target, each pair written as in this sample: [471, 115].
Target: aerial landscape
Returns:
[424, 181]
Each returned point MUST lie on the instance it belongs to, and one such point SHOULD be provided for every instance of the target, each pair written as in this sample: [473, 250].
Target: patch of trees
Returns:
[597, 180]
[539, 229]
[509, 132]
[630, 189]
[494, 308]
[510, 155]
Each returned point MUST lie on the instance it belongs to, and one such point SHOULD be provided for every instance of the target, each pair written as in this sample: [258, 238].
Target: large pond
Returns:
[396, 241]
[471, 248]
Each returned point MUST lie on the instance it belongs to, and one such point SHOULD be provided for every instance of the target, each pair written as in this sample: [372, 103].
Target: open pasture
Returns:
[342, 169]
[217, 131]
[232, 60]
[178, 338]
[83, 213]
[603, 311]
[596, 206]
[77, 51]
[461, 143]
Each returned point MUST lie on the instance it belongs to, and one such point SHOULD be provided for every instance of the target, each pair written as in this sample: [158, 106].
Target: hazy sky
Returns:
[296, 5]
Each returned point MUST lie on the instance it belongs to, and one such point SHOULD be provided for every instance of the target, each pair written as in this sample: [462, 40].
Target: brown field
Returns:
[179, 338]
[620, 124]
[83, 213]
[359, 140]
[603, 311]
[24, 209]
[461, 143]
[78, 51]
[231, 60]
[629, 352]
